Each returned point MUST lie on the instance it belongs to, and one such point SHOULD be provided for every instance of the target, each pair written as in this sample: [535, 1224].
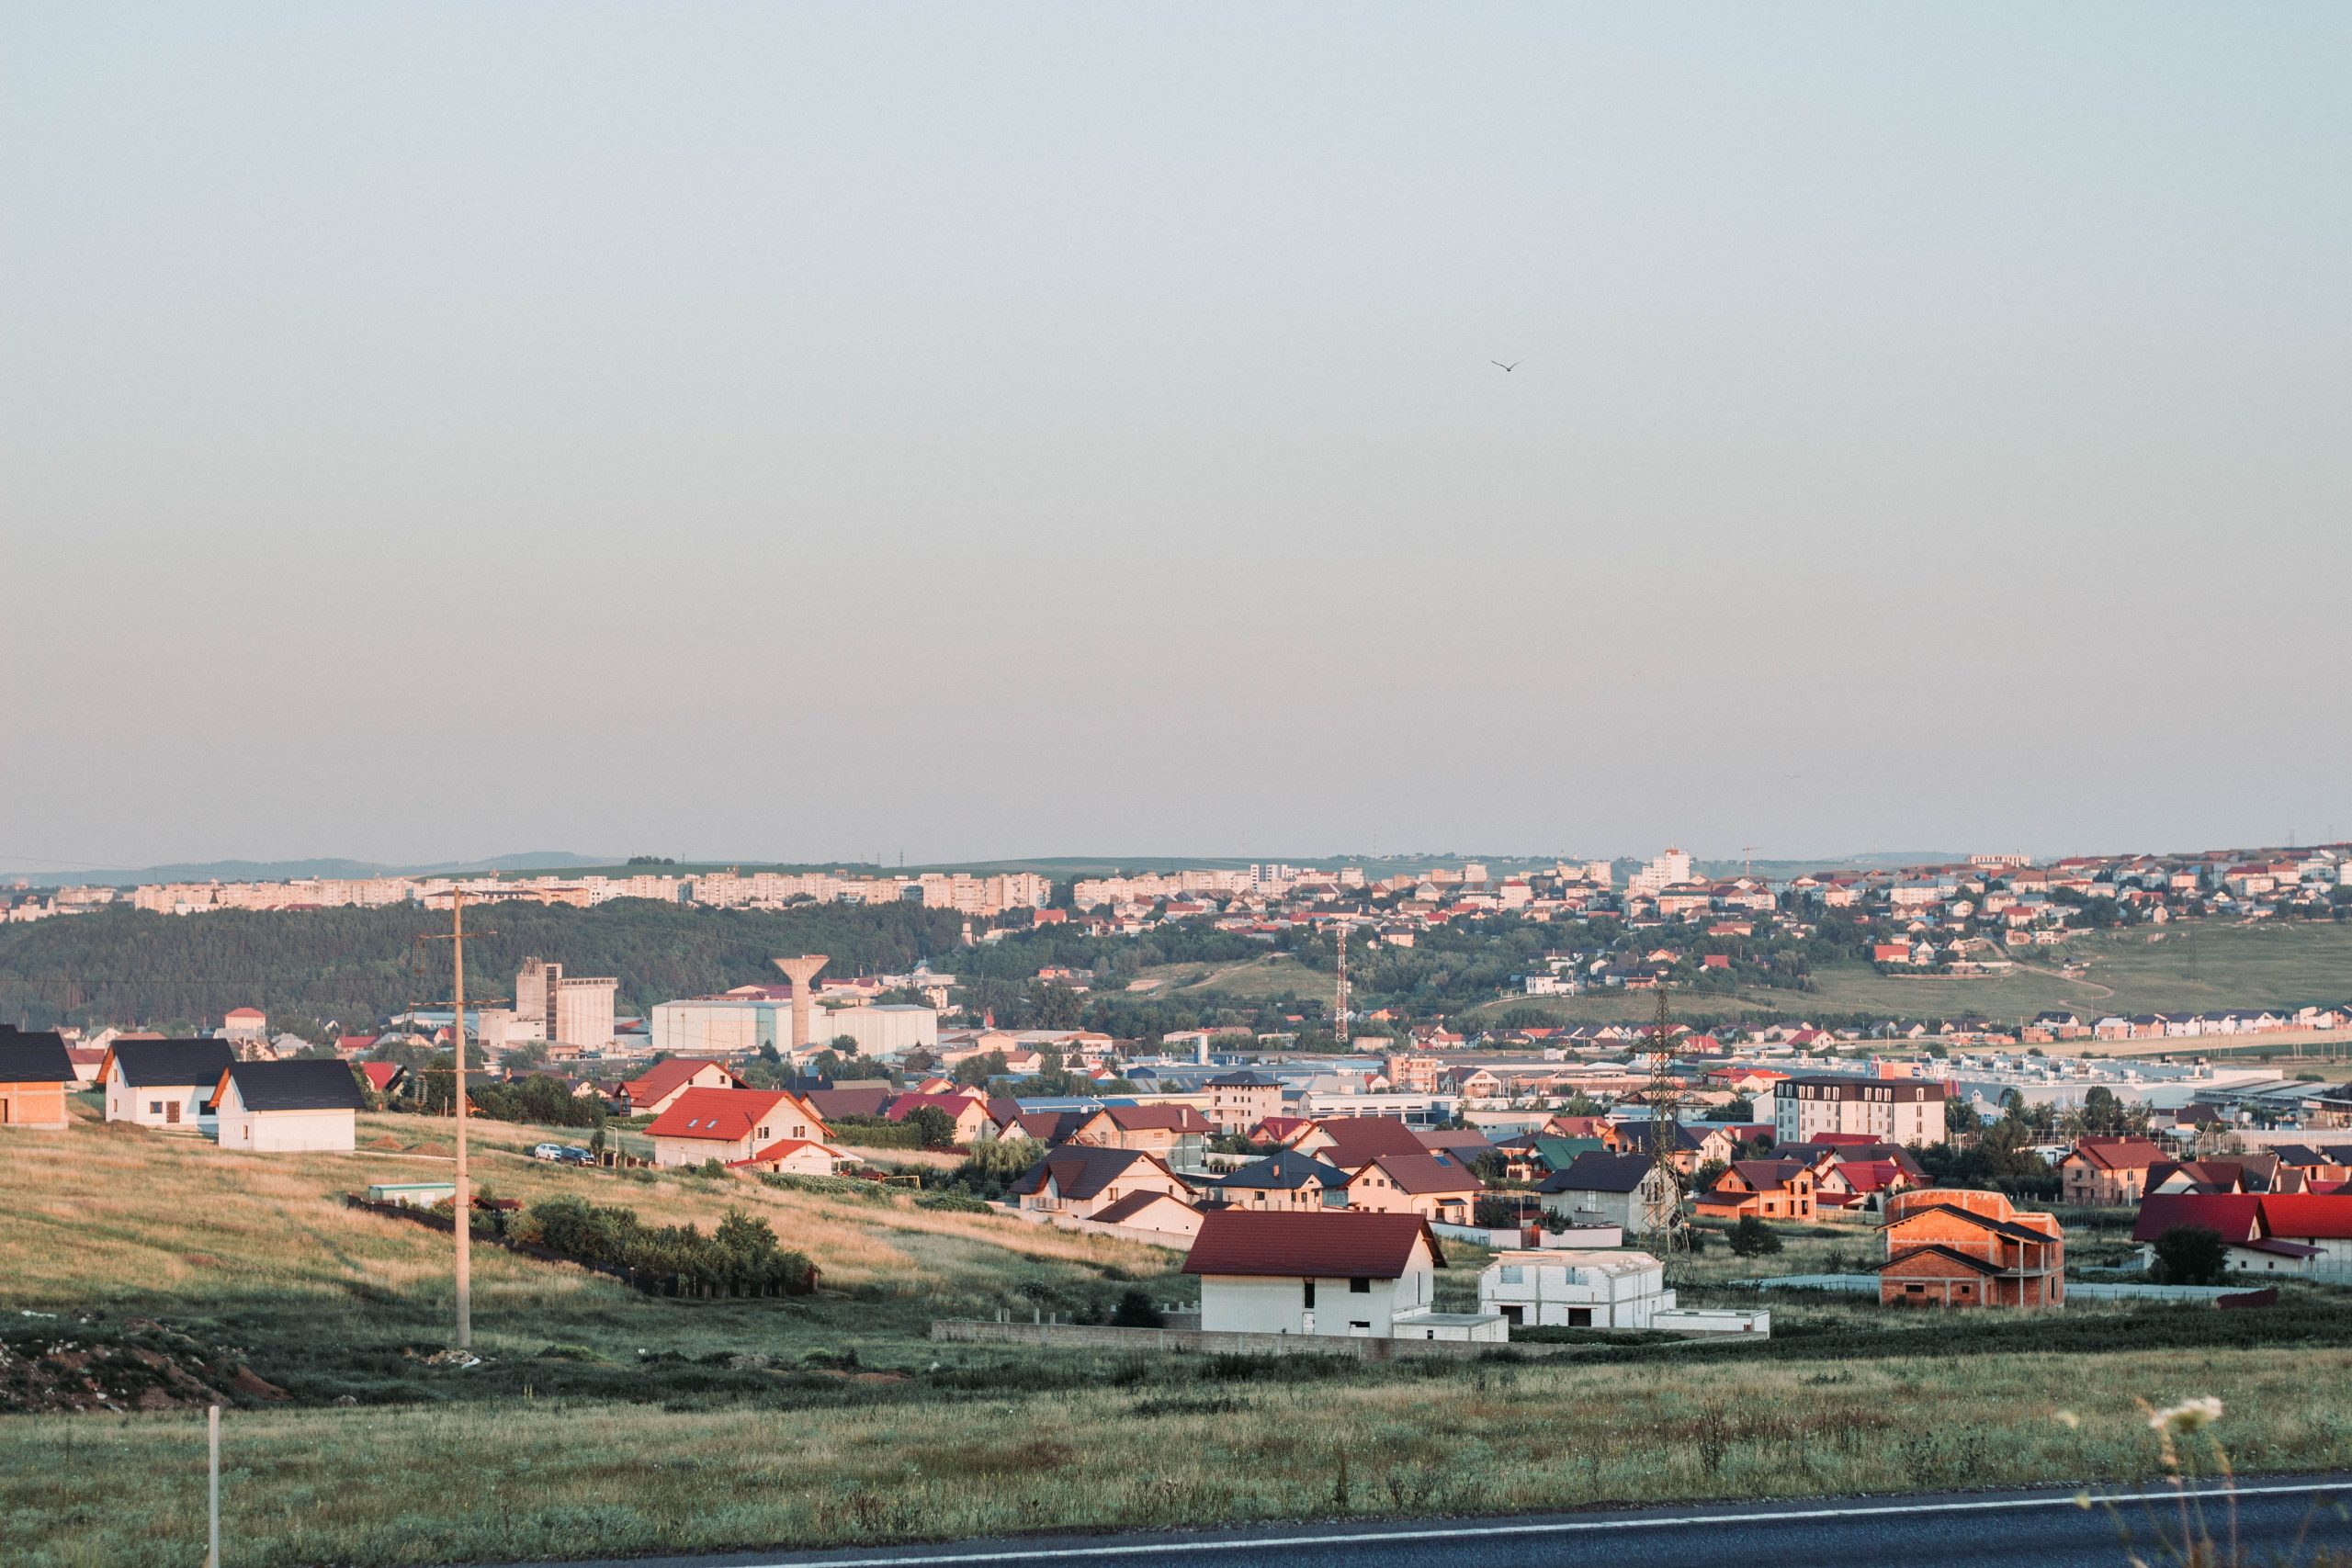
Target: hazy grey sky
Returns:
[988, 430]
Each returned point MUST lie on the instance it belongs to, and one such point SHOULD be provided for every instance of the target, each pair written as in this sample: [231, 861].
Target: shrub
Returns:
[1135, 1311]
[934, 1126]
[741, 1254]
[2191, 1254]
[1752, 1237]
[955, 1203]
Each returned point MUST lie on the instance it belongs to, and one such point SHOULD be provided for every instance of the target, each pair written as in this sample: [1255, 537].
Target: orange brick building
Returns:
[1946, 1246]
[1769, 1189]
[35, 1073]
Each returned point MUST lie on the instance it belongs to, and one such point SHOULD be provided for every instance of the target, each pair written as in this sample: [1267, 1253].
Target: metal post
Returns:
[212, 1489]
[464, 1205]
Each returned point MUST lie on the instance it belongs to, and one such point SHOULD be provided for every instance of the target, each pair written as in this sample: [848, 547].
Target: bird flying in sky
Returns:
[1507, 368]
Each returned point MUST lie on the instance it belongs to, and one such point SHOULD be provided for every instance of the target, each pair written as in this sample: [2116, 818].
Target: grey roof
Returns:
[1245, 1080]
[297, 1085]
[1287, 1169]
[34, 1059]
[1079, 1170]
[153, 1063]
[1596, 1172]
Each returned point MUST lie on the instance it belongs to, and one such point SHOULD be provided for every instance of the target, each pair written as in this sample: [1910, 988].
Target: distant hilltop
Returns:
[297, 870]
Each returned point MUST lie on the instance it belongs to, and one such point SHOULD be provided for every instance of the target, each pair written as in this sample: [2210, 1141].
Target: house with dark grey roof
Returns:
[1328, 1272]
[1626, 1190]
[1285, 1179]
[287, 1107]
[35, 1074]
[1078, 1179]
[164, 1083]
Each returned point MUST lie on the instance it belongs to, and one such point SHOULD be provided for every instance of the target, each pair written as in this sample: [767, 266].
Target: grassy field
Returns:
[602, 1421]
[1252, 980]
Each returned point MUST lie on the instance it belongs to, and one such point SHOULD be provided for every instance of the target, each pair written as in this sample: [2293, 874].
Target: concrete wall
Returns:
[1182, 1341]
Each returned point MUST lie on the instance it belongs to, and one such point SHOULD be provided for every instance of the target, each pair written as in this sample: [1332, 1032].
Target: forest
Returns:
[356, 966]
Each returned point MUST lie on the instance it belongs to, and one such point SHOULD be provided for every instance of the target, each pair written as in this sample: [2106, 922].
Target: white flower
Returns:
[2188, 1416]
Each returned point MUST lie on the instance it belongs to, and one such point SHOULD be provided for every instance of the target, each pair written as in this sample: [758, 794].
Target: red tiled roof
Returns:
[1421, 1173]
[1359, 1140]
[664, 1077]
[1157, 1118]
[2118, 1154]
[1131, 1206]
[380, 1074]
[2231, 1214]
[2304, 1216]
[725, 1114]
[783, 1149]
[953, 1105]
[1330, 1244]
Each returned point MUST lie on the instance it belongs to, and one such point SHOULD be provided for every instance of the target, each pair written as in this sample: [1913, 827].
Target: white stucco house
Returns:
[1340, 1272]
[285, 1106]
[1576, 1290]
[164, 1083]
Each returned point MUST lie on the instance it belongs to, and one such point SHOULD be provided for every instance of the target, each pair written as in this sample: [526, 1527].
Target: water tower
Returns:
[801, 970]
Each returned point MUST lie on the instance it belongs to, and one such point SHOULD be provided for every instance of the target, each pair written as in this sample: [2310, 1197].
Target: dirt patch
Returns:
[65, 1365]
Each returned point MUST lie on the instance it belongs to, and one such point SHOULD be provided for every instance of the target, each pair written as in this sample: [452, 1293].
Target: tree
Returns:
[1752, 1237]
[1135, 1311]
[1961, 1120]
[976, 1071]
[2191, 1254]
[935, 1126]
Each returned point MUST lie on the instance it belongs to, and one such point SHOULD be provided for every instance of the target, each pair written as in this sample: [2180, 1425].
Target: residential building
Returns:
[731, 1125]
[35, 1074]
[2107, 1173]
[1765, 1188]
[1335, 1271]
[1628, 1190]
[1285, 1179]
[287, 1107]
[1946, 1246]
[1081, 1179]
[1574, 1289]
[1238, 1101]
[657, 1088]
[164, 1083]
[1897, 1110]
[1432, 1186]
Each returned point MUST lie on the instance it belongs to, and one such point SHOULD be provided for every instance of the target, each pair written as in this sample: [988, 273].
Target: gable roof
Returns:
[867, 1103]
[1244, 1080]
[2308, 1215]
[380, 1074]
[34, 1059]
[1082, 1170]
[1424, 1173]
[295, 1086]
[1310, 1244]
[727, 1115]
[1590, 1172]
[1131, 1206]
[953, 1106]
[1157, 1118]
[1286, 1169]
[2116, 1154]
[662, 1078]
[1908, 1253]
[149, 1063]
[2231, 1214]
[1357, 1139]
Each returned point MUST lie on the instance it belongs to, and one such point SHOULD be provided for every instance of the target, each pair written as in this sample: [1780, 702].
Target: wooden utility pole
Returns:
[464, 1205]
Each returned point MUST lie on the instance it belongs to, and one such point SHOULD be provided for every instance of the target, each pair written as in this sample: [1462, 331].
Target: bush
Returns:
[1752, 1237]
[2191, 1254]
[741, 1254]
[873, 1133]
[955, 1203]
[934, 1126]
[1135, 1311]
[995, 1166]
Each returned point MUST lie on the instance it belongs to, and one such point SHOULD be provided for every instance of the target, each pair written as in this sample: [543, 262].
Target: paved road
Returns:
[2045, 1529]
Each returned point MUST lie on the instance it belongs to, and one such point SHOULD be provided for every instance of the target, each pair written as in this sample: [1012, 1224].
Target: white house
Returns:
[164, 1083]
[1576, 1290]
[1339, 1272]
[283, 1107]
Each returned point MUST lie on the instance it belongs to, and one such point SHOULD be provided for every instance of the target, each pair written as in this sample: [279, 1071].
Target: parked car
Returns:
[548, 1152]
[572, 1154]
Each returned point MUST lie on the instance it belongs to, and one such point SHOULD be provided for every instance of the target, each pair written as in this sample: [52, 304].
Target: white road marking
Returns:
[1556, 1526]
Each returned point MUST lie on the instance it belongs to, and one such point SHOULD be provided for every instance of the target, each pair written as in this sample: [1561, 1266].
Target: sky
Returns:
[824, 432]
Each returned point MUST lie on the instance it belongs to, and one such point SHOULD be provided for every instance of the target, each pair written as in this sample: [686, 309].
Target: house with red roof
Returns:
[385, 1077]
[656, 1089]
[970, 1116]
[2307, 1233]
[2108, 1173]
[1340, 1272]
[1436, 1187]
[1767, 1188]
[731, 1125]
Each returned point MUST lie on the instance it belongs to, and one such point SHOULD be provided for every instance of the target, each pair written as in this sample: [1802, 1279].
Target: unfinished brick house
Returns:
[1946, 1246]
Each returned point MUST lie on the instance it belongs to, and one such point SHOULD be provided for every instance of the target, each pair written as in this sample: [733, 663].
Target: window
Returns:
[154, 1108]
[1513, 1274]
[1310, 1294]
[1359, 1286]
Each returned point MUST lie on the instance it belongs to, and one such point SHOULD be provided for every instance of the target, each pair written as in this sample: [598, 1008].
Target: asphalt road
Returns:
[2045, 1529]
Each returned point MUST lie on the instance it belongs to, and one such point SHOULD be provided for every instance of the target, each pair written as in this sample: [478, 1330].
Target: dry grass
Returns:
[106, 1212]
[479, 1483]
